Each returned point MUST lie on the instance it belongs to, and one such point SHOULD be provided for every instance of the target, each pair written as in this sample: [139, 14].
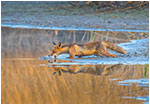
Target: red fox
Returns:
[91, 69]
[98, 48]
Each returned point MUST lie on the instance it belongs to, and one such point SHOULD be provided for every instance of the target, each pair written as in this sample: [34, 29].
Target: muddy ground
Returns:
[62, 14]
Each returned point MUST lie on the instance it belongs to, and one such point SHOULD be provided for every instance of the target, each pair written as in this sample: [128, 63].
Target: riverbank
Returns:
[61, 14]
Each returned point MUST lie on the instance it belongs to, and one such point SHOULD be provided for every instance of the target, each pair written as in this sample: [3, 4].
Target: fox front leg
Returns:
[72, 53]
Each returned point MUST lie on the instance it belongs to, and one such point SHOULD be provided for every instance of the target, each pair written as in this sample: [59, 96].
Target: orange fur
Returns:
[97, 48]
[90, 69]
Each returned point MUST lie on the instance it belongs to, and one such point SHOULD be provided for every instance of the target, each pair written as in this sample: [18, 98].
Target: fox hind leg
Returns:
[99, 54]
[105, 53]
[101, 50]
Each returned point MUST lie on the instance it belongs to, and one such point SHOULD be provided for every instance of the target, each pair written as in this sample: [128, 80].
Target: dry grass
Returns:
[32, 82]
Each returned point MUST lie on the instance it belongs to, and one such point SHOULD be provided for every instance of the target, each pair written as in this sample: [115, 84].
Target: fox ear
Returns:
[54, 43]
[59, 44]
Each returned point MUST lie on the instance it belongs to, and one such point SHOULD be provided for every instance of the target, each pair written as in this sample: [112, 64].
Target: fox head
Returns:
[57, 49]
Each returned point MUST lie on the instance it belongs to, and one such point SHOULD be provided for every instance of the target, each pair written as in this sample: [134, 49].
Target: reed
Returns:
[145, 70]
[92, 36]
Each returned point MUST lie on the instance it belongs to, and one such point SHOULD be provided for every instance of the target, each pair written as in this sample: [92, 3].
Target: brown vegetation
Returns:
[111, 5]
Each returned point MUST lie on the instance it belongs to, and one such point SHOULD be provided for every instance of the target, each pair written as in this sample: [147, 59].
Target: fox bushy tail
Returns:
[115, 47]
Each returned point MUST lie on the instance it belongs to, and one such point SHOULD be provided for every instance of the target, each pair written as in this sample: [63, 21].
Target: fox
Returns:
[90, 69]
[98, 48]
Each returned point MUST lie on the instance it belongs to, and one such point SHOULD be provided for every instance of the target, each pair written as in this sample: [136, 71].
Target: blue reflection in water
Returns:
[145, 99]
[140, 83]
[75, 29]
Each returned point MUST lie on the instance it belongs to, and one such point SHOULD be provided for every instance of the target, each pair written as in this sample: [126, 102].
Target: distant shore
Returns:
[46, 14]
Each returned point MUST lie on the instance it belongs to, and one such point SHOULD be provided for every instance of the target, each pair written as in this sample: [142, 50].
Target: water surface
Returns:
[37, 81]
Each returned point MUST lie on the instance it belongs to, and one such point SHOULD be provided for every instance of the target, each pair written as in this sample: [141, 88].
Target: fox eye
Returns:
[59, 44]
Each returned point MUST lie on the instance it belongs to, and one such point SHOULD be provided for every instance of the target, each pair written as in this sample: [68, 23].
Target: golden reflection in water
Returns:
[33, 82]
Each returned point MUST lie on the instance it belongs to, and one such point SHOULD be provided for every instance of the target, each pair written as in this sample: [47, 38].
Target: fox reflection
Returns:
[90, 69]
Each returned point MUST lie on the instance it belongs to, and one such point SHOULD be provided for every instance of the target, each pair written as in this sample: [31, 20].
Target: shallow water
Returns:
[39, 81]
[72, 29]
